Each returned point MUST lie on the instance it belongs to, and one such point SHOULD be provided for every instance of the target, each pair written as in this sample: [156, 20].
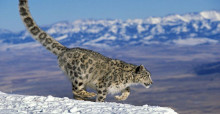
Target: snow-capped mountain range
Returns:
[187, 29]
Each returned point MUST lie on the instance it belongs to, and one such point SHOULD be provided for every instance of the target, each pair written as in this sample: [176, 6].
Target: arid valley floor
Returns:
[176, 84]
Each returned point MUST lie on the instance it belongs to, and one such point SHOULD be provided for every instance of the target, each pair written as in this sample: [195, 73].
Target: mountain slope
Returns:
[17, 104]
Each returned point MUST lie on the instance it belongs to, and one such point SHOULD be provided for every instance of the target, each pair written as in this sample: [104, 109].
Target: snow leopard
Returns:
[86, 68]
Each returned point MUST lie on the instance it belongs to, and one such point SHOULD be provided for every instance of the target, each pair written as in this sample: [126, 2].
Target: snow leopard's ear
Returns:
[139, 69]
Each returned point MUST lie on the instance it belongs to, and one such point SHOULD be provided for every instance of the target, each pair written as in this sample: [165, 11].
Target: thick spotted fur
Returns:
[86, 68]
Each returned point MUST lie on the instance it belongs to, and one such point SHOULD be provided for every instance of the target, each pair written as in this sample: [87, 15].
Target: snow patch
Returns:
[61, 37]
[25, 35]
[17, 104]
[194, 41]
[140, 28]
[148, 37]
[114, 29]
[158, 29]
[4, 46]
[216, 30]
[179, 29]
[154, 20]
[213, 15]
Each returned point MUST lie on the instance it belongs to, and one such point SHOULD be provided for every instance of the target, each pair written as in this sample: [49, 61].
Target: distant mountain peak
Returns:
[212, 15]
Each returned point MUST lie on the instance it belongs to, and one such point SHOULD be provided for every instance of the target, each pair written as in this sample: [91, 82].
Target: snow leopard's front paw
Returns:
[91, 94]
[84, 94]
[120, 98]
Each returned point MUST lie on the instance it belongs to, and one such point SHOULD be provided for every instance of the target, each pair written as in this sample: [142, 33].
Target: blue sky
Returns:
[50, 11]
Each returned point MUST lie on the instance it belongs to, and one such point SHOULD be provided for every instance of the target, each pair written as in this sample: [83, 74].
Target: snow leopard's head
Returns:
[143, 76]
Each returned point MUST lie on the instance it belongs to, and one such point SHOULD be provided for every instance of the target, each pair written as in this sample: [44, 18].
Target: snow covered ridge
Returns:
[20, 104]
[205, 15]
[201, 28]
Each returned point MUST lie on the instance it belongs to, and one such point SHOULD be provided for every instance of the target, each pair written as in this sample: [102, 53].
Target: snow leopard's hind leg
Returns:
[80, 92]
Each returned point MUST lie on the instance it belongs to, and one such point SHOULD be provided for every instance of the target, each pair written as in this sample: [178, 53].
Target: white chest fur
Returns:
[113, 89]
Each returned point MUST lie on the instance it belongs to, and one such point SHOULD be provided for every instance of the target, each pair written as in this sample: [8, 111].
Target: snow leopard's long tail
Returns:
[46, 40]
